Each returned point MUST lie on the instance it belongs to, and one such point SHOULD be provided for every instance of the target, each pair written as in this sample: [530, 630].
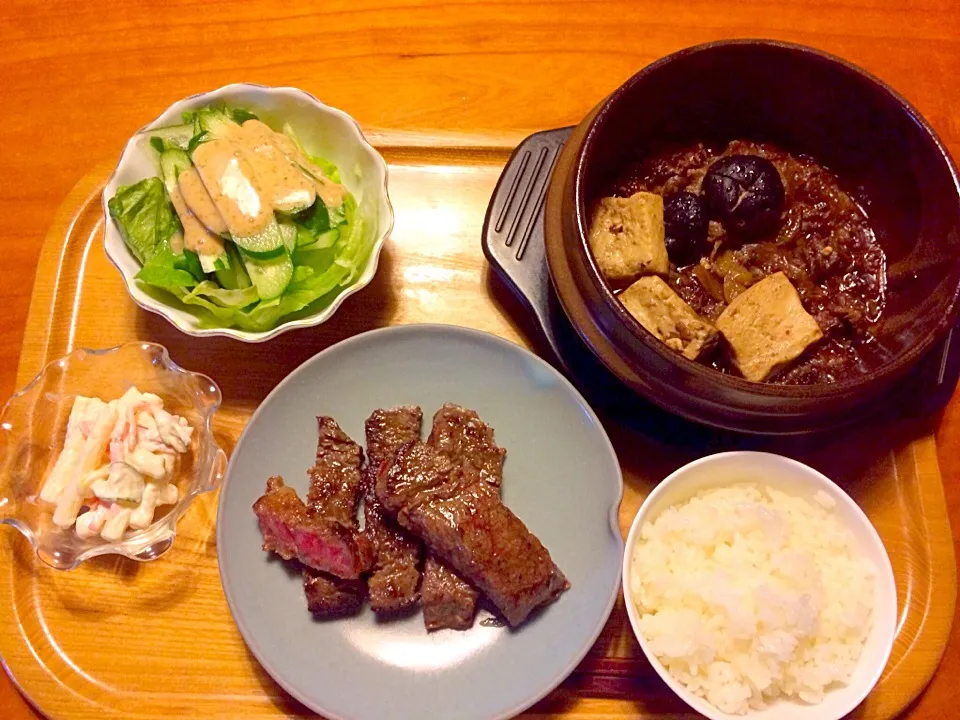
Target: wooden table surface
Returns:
[77, 79]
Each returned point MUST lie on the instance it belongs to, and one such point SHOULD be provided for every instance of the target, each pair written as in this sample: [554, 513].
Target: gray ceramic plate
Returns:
[561, 478]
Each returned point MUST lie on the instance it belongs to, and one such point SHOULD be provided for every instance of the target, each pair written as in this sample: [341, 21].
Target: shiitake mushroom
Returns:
[745, 193]
[685, 226]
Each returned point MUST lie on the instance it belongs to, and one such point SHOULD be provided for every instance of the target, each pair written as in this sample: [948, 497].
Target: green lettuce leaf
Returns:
[328, 168]
[325, 166]
[171, 272]
[223, 304]
[145, 217]
[190, 262]
[225, 298]
[196, 141]
[338, 215]
[165, 276]
[239, 115]
[319, 272]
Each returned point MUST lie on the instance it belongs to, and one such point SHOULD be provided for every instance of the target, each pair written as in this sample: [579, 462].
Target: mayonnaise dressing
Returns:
[176, 243]
[233, 186]
[288, 188]
[199, 201]
[250, 172]
[196, 235]
[332, 193]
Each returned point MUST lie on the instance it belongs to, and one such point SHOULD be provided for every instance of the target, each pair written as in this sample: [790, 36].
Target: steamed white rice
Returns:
[747, 594]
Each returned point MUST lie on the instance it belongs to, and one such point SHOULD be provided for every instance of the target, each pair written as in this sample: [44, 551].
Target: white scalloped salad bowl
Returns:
[324, 131]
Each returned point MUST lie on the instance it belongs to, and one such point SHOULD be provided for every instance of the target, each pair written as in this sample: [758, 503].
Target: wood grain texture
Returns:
[79, 78]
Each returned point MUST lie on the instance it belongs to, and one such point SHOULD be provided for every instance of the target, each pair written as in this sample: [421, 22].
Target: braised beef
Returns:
[822, 241]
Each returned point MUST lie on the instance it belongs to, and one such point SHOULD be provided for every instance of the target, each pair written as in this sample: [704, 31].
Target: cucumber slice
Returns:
[177, 136]
[323, 241]
[304, 236]
[270, 276]
[232, 275]
[214, 121]
[327, 239]
[266, 243]
[172, 163]
[289, 232]
[208, 262]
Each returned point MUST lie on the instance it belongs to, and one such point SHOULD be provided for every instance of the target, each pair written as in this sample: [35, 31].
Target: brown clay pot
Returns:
[807, 102]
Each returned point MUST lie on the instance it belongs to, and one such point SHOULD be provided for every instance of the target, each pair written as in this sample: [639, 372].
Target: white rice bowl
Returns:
[757, 587]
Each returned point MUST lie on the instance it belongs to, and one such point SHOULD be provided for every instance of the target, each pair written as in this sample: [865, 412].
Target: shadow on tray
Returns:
[651, 443]
[247, 372]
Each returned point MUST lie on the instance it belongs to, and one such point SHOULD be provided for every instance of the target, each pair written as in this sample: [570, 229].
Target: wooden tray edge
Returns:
[932, 638]
[44, 296]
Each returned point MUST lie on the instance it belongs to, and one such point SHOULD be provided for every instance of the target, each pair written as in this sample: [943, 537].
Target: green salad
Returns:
[241, 222]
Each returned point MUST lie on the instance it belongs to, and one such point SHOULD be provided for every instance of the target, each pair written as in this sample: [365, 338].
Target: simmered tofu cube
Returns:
[627, 236]
[664, 313]
[767, 327]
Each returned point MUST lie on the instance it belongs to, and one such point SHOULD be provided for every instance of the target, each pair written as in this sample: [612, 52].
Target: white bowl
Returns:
[795, 478]
[323, 130]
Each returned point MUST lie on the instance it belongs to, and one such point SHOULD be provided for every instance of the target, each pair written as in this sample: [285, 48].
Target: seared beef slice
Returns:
[449, 601]
[292, 531]
[460, 435]
[330, 596]
[280, 511]
[321, 538]
[395, 580]
[466, 524]
[335, 481]
[335, 487]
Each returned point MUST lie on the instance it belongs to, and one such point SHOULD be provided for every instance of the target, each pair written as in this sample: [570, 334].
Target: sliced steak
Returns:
[335, 479]
[279, 511]
[335, 488]
[395, 580]
[329, 596]
[463, 437]
[292, 530]
[449, 601]
[466, 524]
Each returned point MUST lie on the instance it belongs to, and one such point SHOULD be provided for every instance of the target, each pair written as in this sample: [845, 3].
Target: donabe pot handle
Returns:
[513, 227]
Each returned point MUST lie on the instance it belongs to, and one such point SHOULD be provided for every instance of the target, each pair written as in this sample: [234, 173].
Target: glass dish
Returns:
[33, 425]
